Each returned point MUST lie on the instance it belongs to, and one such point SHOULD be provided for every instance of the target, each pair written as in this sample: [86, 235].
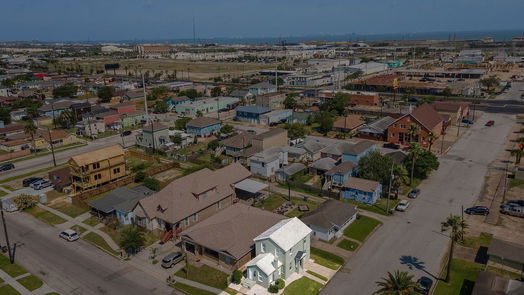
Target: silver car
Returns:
[172, 259]
[41, 184]
[69, 235]
[402, 205]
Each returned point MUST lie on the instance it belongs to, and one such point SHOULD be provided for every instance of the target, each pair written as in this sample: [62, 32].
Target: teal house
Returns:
[203, 126]
[361, 190]
[356, 151]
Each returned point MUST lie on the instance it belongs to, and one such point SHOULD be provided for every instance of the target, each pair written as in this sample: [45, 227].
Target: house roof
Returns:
[62, 175]
[361, 184]
[292, 168]
[337, 149]
[344, 167]
[264, 262]
[359, 147]
[64, 104]
[122, 105]
[507, 250]
[263, 85]
[490, 284]
[121, 199]
[330, 213]
[239, 93]
[268, 155]
[14, 142]
[253, 109]
[107, 114]
[446, 106]
[348, 122]
[270, 133]
[379, 125]
[233, 229]
[325, 164]
[98, 155]
[286, 234]
[11, 128]
[313, 146]
[202, 122]
[179, 98]
[397, 156]
[180, 198]
[155, 127]
[238, 141]
[426, 116]
[79, 105]
[55, 135]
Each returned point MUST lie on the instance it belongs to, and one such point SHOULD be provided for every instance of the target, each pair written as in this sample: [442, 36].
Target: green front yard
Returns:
[317, 275]
[186, 289]
[326, 259]
[348, 245]
[380, 207]
[69, 209]
[303, 286]
[300, 201]
[271, 203]
[31, 282]
[8, 290]
[484, 239]
[463, 276]
[205, 275]
[361, 228]
[13, 270]
[98, 241]
[45, 216]
[92, 221]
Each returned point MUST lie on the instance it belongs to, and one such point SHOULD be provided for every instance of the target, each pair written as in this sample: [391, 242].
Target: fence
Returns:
[144, 157]
[161, 168]
[13, 155]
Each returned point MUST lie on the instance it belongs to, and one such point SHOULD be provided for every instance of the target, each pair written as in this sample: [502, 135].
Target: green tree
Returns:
[180, 124]
[32, 111]
[213, 145]
[446, 91]
[132, 239]
[456, 225]
[413, 131]
[216, 91]
[336, 105]
[290, 102]
[199, 114]
[227, 129]
[325, 121]
[161, 107]
[66, 119]
[5, 115]
[152, 183]
[517, 153]
[424, 162]
[296, 130]
[176, 139]
[432, 137]
[414, 152]
[66, 90]
[30, 129]
[490, 82]
[105, 93]
[191, 93]
[400, 176]
[24, 201]
[375, 166]
[397, 283]
[158, 92]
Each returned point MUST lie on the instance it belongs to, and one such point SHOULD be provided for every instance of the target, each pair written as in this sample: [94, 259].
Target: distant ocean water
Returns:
[497, 35]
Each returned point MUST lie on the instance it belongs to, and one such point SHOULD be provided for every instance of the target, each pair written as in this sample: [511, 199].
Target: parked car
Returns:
[490, 123]
[477, 210]
[126, 133]
[6, 167]
[171, 259]
[41, 184]
[391, 145]
[424, 285]
[513, 210]
[513, 203]
[467, 121]
[402, 206]
[27, 182]
[69, 235]
[413, 194]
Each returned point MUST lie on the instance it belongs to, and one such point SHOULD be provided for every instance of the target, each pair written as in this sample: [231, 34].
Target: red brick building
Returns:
[425, 117]
[124, 108]
[355, 97]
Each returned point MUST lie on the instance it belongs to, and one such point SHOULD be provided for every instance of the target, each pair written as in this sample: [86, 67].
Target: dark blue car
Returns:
[6, 167]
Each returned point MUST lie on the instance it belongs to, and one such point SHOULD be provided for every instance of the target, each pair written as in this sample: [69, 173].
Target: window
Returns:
[219, 204]
[116, 170]
[263, 248]
[195, 217]
[98, 176]
[186, 221]
[96, 165]
[402, 126]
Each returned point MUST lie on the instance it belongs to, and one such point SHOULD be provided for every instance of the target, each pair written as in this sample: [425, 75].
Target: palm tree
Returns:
[432, 137]
[401, 176]
[413, 131]
[397, 283]
[456, 225]
[132, 239]
[414, 152]
[31, 130]
[517, 153]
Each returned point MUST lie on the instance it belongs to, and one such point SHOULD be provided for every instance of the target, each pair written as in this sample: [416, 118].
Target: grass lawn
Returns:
[190, 290]
[463, 276]
[8, 187]
[326, 259]
[504, 273]
[115, 234]
[2, 193]
[300, 201]
[515, 182]
[79, 229]
[92, 221]
[98, 241]
[361, 228]
[484, 239]
[317, 275]
[31, 282]
[272, 202]
[69, 209]
[14, 270]
[205, 275]
[8, 290]
[406, 188]
[45, 216]
[303, 286]
[53, 195]
[52, 293]
[379, 207]
[348, 245]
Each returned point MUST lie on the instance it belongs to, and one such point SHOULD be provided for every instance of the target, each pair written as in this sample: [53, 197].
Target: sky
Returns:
[113, 20]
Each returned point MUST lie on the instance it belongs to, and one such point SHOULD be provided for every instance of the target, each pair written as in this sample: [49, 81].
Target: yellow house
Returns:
[97, 168]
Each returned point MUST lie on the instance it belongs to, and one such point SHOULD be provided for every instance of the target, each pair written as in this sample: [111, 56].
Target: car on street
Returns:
[477, 210]
[126, 133]
[391, 145]
[6, 167]
[27, 182]
[467, 121]
[402, 206]
[424, 285]
[172, 258]
[41, 184]
[413, 194]
[69, 235]
[490, 123]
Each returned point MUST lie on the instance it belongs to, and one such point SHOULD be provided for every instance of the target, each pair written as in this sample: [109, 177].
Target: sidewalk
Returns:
[8, 280]
[75, 221]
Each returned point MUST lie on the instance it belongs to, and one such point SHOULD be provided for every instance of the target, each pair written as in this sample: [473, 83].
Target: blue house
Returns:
[339, 174]
[203, 126]
[262, 88]
[361, 190]
[250, 114]
[357, 151]
[55, 107]
[176, 100]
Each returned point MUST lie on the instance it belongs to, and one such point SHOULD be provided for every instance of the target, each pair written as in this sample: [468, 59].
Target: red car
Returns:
[490, 123]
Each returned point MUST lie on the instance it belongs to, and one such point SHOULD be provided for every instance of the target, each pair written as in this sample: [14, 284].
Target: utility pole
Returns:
[442, 143]
[218, 109]
[11, 256]
[389, 187]
[145, 95]
[458, 129]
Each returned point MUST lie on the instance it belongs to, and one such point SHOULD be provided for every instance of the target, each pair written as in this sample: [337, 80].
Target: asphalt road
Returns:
[412, 241]
[76, 268]
[46, 161]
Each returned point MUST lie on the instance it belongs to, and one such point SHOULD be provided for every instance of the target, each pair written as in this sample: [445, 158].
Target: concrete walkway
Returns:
[8, 280]
[74, 221]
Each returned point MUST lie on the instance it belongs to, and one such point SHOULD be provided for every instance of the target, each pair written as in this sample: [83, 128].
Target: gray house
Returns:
[281, 251]
[159, 132]
[330, 219]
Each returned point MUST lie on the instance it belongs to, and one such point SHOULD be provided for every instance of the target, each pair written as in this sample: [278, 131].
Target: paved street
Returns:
[412, 240]
[46, 161]
[75, 268]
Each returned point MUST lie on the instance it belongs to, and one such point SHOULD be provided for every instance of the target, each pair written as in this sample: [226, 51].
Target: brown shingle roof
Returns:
[348, 122]
[427, 116]
[14, 142]
[179, 199]
[11, 128]
[233, 229]
[361, 184]
[239, 141]
[55, 135]
[98, 155]
[202, 122]
[330, 213]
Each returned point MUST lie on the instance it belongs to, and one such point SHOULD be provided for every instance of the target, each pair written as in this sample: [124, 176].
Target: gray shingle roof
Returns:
[330, 213]
[507, 250]
[323, 164]
[121, 199]
[292, 169]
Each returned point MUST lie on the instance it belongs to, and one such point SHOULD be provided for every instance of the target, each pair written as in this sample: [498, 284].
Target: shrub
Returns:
[140, 176]
[152, 183]
[237, 277]
[212, 145]
[24, 201]
[280, 284]
[272, 289]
